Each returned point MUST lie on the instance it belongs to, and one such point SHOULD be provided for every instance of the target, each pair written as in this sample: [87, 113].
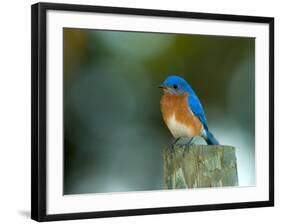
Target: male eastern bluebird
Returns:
[183, 112]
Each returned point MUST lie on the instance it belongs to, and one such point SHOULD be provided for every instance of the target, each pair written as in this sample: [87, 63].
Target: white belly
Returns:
[177, 129]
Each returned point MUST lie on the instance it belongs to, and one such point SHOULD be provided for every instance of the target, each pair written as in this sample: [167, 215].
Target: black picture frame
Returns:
[38, 110]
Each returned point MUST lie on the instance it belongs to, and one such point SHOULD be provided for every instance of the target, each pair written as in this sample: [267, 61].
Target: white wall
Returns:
[15, 109]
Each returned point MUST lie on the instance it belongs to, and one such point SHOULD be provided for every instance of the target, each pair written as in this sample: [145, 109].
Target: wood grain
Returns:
[199, 166]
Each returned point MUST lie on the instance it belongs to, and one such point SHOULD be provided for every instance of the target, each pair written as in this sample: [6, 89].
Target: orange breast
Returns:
[178, 117]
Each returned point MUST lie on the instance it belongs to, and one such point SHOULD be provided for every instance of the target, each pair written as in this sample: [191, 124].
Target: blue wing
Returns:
[197, 109]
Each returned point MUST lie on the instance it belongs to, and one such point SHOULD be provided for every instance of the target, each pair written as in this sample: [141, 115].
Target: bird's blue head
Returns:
[176, 85]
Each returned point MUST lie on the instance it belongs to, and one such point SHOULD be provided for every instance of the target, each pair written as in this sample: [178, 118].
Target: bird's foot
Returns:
[173, 144]
[190, 142]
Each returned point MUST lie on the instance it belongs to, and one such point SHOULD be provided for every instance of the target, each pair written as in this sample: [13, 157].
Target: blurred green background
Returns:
[113, 130]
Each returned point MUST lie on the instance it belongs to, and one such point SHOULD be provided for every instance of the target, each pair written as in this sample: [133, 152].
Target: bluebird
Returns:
[182, 111]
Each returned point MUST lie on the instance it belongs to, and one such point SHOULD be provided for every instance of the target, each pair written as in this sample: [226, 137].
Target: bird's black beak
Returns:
[161, 86]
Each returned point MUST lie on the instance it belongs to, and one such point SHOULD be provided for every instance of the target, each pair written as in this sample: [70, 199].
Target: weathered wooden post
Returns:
[199, 166]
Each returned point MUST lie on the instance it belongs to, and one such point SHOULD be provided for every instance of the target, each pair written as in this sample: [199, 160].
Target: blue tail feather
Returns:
[210, 138]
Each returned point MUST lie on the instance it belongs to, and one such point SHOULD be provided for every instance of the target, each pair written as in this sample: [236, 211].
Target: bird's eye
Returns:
[175, 86]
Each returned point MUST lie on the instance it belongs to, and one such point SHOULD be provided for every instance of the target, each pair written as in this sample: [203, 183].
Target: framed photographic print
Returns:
[106, 141]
